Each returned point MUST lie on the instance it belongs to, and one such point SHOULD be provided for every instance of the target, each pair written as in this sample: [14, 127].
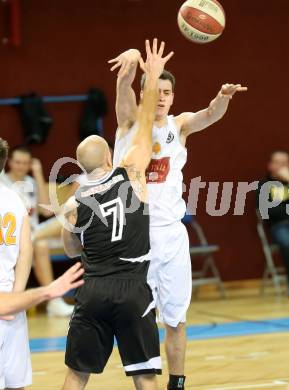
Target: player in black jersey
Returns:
[110, 222]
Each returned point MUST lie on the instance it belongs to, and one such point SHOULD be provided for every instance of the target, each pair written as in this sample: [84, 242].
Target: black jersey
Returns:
[113, 227]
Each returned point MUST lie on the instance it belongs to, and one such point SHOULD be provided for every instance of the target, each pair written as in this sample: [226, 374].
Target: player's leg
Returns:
[145, 382]
[175, 347]
[48, 229]
[137, 333]
[42, 263]
[175, 285]
[75, 380]
[2, 356]
[16, 353]
[90, 337]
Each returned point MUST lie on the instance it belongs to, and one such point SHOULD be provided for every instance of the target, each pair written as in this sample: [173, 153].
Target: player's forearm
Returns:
[148, 109]
[12, 303]
[124, 82]
[218, 107]
[126, 106]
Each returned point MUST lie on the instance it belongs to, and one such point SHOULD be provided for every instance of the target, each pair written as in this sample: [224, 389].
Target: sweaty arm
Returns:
[24, 261]
[126, 106]
[11, 303]
[71, 243]
[192, 122]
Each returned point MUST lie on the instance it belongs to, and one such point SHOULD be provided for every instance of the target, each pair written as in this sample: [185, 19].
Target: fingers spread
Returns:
[77, 284]
[115, 66]
[74, 268]
[77, 274]
[169, 56]
[242, 89]
[162, 48]
[113, 60]
[155, 46]
[148, 48]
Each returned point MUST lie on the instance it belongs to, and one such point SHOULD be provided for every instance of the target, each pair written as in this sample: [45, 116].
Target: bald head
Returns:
[93, 153]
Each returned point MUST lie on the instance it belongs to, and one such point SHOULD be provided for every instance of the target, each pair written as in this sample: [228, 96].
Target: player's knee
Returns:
[176, 330]
[145, 382]
[80, 377]
[41, 245]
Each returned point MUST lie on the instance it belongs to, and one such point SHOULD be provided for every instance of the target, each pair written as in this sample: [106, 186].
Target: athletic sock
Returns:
[176, 382]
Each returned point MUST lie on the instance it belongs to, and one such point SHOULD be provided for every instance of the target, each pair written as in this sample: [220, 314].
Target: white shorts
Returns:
[170, 272]
[15, 363]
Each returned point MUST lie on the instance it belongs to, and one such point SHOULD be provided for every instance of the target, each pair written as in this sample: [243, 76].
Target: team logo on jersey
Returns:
[170, 138]
[158, 170]
[157, 148]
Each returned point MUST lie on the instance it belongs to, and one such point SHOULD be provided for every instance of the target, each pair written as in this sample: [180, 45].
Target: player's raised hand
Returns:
[229, 90]
[66, 282]
[155, 62]
[125, 61]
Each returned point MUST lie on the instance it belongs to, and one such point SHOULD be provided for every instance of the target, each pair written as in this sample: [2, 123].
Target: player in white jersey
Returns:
[170, 270]
[15, 266]
[33, 192]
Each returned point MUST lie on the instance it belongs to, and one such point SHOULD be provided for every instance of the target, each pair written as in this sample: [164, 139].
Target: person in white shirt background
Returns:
[33, 191]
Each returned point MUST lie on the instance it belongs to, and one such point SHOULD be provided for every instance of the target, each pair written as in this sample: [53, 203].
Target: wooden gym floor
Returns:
[241, 342]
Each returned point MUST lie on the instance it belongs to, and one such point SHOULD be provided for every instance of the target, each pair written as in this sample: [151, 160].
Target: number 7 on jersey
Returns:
[114, 207]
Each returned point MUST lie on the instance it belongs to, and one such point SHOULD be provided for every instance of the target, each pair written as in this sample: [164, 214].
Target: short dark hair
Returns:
[22, 149]
[166, 75]
[283, 151]
[4, 148]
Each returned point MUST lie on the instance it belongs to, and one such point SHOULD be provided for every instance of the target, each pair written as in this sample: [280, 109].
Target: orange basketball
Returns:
[201, 21]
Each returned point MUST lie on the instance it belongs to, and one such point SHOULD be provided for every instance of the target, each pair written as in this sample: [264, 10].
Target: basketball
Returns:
[201, 21]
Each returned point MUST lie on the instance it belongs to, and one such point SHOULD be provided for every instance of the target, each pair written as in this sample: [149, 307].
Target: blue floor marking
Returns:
[194, 332]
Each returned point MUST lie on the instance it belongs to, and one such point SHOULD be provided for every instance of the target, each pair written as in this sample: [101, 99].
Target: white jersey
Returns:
[164, 174]
[27, 190]
[12, 212]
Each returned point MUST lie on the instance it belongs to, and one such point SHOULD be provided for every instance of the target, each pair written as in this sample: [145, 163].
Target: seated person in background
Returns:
[278, 222]
[33, 192]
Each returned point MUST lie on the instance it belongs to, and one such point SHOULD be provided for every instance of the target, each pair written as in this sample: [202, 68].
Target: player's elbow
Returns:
[71, 248]
[46, 213]
[71, 251]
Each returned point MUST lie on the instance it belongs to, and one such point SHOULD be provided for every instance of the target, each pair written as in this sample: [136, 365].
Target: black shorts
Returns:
[114, 307]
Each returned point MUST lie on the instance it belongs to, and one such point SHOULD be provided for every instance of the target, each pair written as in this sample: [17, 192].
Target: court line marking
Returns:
[194, 332]
[260, 385]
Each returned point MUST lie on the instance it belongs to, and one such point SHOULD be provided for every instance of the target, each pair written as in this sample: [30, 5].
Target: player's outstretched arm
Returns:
[193, 122]
[24, 261]
[126, 106]
[139, 154]
[12, 303]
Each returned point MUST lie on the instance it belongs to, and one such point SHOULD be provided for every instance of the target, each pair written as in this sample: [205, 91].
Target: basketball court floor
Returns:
[241, 342]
